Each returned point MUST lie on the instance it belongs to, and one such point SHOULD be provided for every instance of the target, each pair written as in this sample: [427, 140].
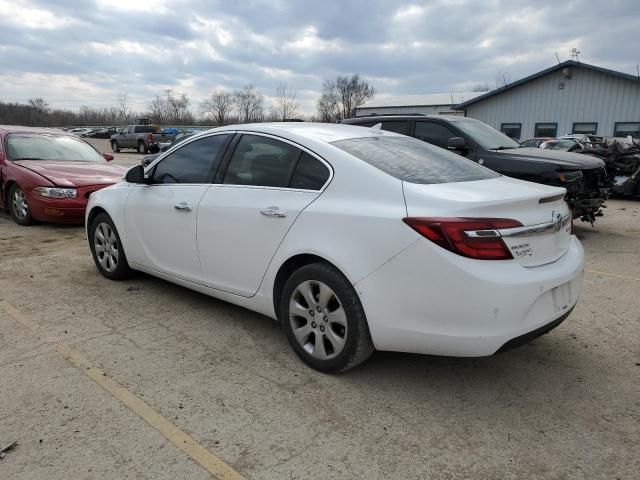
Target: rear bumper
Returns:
[428, 300]
[527, 337]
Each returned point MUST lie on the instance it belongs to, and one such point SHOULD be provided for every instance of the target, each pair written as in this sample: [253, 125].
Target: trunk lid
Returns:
[541, 209]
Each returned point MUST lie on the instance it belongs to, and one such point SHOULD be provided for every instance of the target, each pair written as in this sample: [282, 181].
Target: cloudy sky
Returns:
[86, 52]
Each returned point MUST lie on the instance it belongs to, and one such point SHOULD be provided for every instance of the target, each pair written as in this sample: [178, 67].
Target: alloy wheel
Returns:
[20, 207]
[106, 246]
[318, 319]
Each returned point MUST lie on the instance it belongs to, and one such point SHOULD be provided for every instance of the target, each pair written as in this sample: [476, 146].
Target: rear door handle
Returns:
[183, 207]
[273, 212]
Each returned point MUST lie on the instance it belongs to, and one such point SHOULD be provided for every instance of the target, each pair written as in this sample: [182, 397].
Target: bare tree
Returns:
[481, 87]
[328, 106]
[250, 104]
[170, 109]
[218, 106]
[178, 107]
[39, 104]
[158, 111]
[123, 111]
[502, 79]
[341, 96]
[285, 104]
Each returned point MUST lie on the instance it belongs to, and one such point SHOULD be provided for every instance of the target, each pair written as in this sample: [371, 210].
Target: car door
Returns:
[161, 217]
[243, 218]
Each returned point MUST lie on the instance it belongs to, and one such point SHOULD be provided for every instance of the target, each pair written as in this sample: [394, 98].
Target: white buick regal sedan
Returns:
[355, 239]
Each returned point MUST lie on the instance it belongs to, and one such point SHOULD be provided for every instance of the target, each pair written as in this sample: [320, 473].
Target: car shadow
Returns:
[551, 358]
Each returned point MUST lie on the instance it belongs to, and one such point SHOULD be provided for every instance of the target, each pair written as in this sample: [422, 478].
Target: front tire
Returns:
[114, 146]
[106, 248]
[19, 207]
[324, 320]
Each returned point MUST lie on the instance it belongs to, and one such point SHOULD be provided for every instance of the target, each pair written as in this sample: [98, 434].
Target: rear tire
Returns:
[324, 319]
[18, 206]
[114, 146]
[106, 248]
[142, 148]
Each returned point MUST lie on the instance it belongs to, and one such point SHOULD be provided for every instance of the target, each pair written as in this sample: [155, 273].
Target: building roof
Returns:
[431, 100]
[542, 73]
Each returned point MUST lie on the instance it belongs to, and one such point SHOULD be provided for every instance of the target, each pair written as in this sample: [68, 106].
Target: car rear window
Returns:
[146, 129]
[414, 161]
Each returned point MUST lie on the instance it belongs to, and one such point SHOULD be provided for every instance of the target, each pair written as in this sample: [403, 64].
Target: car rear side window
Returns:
[433, 133]
[310, 173]
[195, 162]
[261, 161]
[397, 126]
[414, 161]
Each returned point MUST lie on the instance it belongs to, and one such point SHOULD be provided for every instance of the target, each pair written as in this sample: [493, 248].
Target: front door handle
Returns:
[273, 212]
[183, 207]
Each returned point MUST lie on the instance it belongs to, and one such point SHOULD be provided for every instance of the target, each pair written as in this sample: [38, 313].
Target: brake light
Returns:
[470, 237]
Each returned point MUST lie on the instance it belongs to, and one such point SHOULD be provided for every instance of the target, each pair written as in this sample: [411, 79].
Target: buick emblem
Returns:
[556, 218]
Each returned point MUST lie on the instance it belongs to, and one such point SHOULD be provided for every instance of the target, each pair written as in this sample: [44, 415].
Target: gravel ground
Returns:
[564, 406]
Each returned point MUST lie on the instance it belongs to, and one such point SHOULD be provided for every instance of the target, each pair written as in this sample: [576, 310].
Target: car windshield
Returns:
[487, 136]
[38, 146]
[414, 161]
[563, 144]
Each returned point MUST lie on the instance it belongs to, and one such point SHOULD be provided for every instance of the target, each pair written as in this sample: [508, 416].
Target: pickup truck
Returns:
[140, 137]
[584, 177]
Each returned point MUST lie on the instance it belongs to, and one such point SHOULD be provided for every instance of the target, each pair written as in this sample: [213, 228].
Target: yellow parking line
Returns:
[606, 274]
[171, 432]
[19, 316]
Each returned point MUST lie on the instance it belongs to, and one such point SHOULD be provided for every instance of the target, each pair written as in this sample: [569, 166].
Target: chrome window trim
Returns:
[293, 144]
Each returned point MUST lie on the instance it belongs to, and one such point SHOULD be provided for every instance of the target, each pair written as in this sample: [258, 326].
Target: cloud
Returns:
[75, 52]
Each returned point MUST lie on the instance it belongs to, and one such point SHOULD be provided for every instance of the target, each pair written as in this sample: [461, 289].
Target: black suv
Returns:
[584, 177]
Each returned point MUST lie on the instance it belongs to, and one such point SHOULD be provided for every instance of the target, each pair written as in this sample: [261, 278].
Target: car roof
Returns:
[400, 116]
[20, 129]
[323, 132]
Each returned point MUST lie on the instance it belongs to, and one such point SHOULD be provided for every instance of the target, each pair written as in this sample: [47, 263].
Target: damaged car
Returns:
[584, 177]
[620, 155]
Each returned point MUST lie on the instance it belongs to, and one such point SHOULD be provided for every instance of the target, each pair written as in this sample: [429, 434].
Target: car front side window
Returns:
[195, 162]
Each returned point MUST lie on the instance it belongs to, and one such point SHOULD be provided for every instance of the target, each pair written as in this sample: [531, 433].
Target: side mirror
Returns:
[456, 143]
[148, 159]
[107, 156]
[136, 175]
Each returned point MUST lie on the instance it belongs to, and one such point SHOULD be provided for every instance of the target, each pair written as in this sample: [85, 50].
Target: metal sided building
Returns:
[570, 97]
[437, 103]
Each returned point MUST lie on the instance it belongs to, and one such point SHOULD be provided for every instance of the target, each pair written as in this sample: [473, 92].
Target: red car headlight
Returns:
[54, 192]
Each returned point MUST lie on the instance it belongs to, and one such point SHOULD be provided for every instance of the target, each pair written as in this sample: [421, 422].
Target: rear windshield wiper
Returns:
[26, 158]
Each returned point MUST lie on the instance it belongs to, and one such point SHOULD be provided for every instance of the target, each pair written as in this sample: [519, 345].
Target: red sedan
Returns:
[46, 175]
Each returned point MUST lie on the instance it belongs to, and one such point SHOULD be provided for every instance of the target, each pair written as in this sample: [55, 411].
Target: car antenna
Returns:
[377, 127]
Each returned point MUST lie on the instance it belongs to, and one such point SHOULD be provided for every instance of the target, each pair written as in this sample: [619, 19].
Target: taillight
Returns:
[470, 237]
